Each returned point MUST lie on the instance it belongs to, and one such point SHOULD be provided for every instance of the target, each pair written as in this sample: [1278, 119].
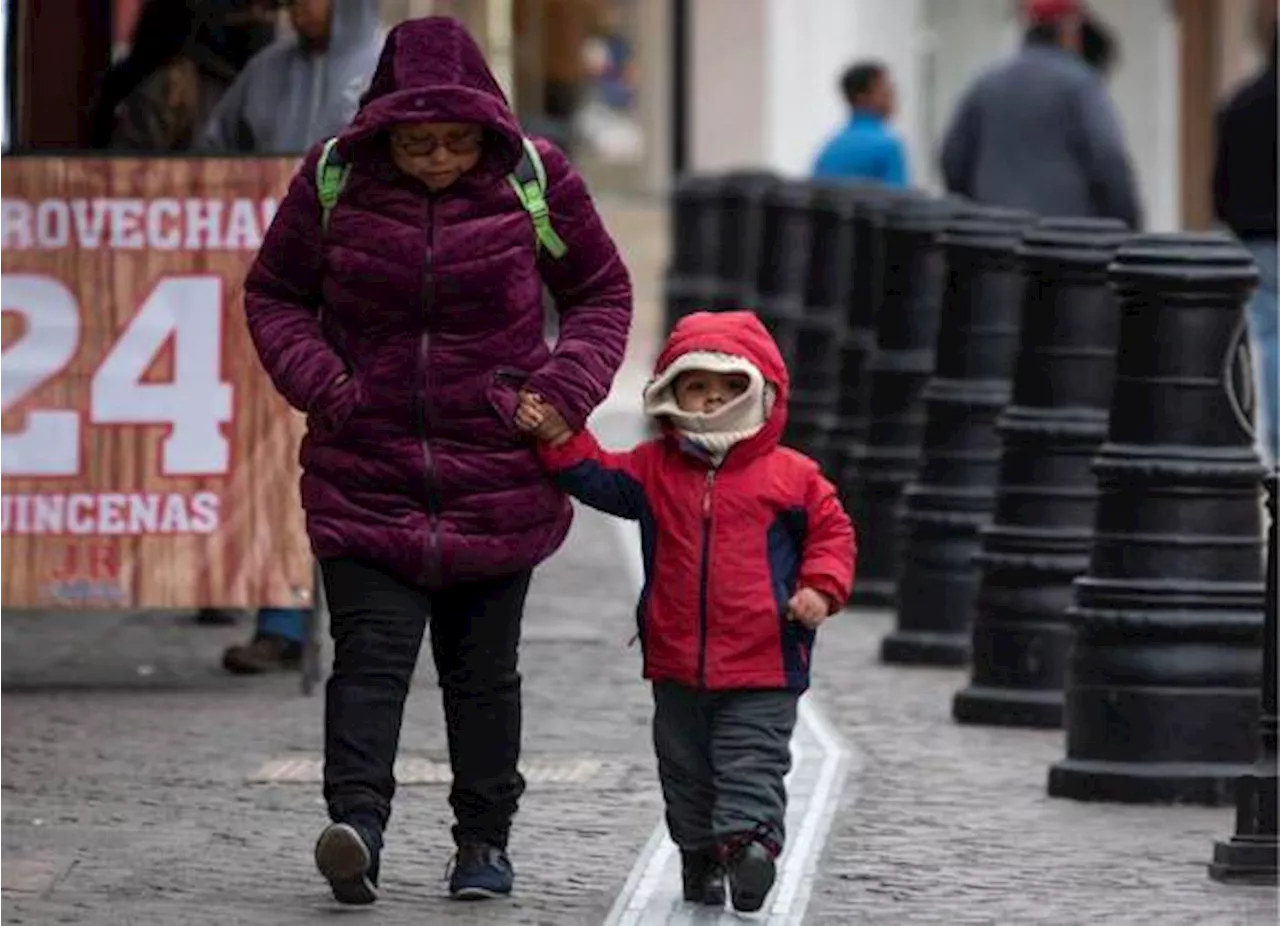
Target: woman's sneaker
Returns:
[702, 876]
[749, 859]
[480, 872]
[347, 855]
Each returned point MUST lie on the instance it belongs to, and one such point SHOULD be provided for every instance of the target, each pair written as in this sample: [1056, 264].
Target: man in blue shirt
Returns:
[865, 149]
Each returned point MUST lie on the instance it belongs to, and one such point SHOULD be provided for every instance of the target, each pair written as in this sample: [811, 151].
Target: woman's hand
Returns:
[536, 417]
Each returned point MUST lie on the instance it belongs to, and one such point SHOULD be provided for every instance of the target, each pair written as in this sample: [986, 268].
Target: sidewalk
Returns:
[140, 798]
[133, 799]
[951, 825]
[132, 764]
[144, 787]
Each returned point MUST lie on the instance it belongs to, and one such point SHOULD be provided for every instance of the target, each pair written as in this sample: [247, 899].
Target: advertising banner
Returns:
[146, 460]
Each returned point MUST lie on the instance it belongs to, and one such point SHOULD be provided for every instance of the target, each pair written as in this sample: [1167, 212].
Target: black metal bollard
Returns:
[862, 298]
[903, 280]
[1038, 541]
[1162, 681]
[1251, 855]
[828, 287]
[815, 382]
[690, 283]
[740, 237]
[783, 268]
[783, 261]
[819, 331]
[953, 493]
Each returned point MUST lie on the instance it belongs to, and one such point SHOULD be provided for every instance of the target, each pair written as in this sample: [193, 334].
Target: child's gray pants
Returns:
[722, 758]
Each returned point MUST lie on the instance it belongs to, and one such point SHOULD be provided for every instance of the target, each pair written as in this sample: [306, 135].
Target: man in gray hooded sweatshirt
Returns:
[289, 96]
[304, 88]
[1038, 131]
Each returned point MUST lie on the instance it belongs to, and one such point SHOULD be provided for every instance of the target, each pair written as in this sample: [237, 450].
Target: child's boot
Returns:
[749, 859]
[703, 877]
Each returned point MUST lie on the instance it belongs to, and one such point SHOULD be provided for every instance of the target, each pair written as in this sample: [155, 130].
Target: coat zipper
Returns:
[704, 578]
[430, 565]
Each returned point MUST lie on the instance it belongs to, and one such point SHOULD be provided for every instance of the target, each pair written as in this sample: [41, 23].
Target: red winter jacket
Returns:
[724, 548]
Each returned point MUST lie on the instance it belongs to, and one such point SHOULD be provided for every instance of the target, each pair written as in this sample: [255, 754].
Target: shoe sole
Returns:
[344, 860]
[243, 668]
[707, 898]
[477, 893]
[751, 882]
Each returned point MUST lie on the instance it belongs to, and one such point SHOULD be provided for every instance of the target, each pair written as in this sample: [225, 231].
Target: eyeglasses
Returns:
[425, 147]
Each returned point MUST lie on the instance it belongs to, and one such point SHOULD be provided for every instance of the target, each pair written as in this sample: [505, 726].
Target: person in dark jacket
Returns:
[1038, 131]
[1244, 198]
[404, 322]
[747, 551]
[202, 47]
[159, 34]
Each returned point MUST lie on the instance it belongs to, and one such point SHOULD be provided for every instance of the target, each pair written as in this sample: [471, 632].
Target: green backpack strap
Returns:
[331, 177]
[529, 180]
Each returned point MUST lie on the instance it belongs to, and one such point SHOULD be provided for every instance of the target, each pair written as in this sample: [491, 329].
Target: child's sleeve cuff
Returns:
[581, 446]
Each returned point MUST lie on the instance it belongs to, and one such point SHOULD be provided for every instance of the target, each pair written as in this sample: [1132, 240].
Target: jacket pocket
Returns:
[503, 395]
[336, 407]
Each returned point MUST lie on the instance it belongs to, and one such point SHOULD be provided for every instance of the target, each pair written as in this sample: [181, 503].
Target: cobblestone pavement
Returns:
[129, 759]
[951, 825]
[126, 793]
[127, 753]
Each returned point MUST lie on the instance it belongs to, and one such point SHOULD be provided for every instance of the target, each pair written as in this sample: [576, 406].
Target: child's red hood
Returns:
[742, 334]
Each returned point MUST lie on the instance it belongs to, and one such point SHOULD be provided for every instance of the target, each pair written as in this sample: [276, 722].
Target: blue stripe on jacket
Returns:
[785, 549]
[619, 494]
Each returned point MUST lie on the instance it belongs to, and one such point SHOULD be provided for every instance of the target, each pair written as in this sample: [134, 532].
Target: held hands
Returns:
[535, 416]
[809, 608]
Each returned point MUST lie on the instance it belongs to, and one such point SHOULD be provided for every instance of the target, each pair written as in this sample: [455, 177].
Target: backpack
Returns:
[529, 180]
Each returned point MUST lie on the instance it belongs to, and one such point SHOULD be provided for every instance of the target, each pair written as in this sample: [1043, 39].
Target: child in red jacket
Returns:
[747, 550]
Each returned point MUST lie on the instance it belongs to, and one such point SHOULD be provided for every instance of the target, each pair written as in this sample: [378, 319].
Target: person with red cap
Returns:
[1038, 131]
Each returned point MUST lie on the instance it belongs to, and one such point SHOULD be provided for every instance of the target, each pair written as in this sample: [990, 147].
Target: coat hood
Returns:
[432, 70]
[739, 334]
[353, 24]
[290, 96]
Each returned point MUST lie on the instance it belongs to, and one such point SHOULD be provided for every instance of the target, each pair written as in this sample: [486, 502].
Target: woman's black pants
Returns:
[377, 623]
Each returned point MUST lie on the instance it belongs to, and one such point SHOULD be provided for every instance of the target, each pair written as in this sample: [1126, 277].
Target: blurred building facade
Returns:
[764, 76]
[642, 89]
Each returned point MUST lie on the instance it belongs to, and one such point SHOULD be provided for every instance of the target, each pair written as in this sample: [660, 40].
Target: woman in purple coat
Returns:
[405, 321]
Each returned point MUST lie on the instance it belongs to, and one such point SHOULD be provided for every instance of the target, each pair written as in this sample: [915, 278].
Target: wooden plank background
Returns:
[259, 556]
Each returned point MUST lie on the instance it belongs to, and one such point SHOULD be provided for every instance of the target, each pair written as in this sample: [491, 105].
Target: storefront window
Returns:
[574, 69]
[609, 120]
[579, 79]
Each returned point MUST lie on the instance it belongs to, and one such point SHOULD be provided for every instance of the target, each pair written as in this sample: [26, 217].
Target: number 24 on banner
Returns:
[193, 405]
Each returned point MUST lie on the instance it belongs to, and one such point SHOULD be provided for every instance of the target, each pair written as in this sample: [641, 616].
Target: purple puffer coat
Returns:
[407, 330]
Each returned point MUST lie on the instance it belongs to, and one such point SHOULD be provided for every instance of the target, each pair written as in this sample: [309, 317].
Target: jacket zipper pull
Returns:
[632, 642]
[706, 495]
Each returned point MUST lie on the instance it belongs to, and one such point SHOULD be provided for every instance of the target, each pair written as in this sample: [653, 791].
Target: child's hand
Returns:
[537, 417]
[808, 607]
